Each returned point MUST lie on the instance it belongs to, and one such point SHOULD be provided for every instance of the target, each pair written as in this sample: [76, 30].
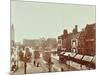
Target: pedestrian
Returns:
[62, 69]
[38, 64]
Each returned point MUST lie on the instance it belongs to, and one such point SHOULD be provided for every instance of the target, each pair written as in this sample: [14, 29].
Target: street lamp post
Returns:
[25, 66]
[49, 64]
[25, 62]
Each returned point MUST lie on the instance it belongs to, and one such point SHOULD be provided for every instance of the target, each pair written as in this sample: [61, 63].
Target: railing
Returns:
[88, 61]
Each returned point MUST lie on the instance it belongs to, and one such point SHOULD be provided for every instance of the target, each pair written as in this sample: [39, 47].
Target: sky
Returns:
[33, 20]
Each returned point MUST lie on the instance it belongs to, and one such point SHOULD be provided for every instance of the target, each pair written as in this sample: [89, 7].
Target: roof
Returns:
[90, 26]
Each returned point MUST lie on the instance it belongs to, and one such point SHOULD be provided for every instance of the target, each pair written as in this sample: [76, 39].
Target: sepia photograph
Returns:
[52, 37]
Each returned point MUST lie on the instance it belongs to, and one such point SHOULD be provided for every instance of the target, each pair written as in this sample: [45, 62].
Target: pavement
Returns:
[31, 68]
[43, 68]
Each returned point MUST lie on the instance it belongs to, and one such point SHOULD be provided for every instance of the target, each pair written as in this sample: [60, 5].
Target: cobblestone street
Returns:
[32, 69]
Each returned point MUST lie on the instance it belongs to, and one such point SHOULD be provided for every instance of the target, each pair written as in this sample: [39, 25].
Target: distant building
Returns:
[12, 35]
[31, 42]
[18, 44]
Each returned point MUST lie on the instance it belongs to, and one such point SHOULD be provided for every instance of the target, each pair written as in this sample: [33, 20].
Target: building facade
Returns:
[31, 42]
[87, 40]
[83, 42]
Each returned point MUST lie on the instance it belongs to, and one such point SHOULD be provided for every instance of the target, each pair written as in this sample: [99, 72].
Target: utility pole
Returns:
[25, 67]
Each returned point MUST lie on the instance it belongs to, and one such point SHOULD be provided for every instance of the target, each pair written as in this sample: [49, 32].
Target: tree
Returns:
[43, 43]
[25, 56]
